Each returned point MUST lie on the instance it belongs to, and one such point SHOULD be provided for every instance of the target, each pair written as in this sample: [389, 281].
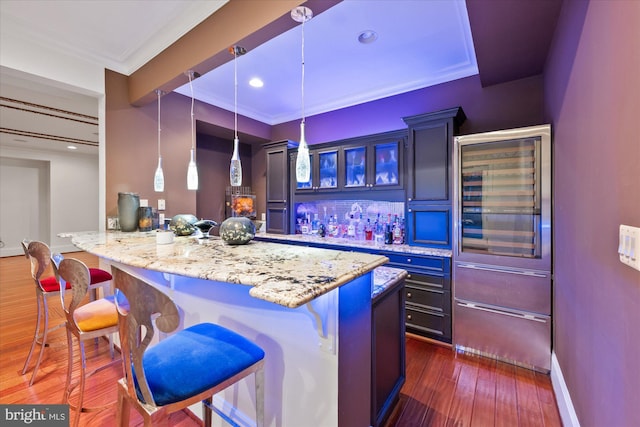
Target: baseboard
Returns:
[565, 405]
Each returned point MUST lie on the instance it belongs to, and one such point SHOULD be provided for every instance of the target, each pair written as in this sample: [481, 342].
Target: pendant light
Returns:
[158, 179]
[192, 169]
[303, 162]
[235, 168]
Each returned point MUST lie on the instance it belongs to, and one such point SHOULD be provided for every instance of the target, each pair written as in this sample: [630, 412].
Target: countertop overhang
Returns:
[283, 274]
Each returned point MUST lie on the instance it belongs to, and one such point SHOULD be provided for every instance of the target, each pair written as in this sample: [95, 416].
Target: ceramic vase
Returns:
[128, 204]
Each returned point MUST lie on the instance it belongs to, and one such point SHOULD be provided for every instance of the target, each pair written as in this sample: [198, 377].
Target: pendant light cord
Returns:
[235, 90]
[302, 91]
[159, 129]
[192, 102]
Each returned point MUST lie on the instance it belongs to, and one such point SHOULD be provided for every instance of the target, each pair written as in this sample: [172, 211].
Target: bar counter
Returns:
[310, 310]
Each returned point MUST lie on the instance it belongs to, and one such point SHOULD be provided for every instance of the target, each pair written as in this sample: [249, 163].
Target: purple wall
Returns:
[513, 104]
[592, 94]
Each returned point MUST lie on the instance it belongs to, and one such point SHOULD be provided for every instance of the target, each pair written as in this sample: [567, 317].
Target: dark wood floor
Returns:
[442, 388]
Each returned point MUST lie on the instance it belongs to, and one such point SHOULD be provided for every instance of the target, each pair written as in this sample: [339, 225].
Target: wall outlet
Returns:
[161, 206]
[629, 246]
[144, 203]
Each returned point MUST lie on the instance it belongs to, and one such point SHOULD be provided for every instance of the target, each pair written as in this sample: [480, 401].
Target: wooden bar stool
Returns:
[84, 322]
[40, 258]
[189, 366]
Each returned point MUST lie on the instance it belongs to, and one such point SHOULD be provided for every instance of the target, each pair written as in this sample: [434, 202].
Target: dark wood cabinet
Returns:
[324, 171]
[430, 176]
[388, 371]
[427, 294]
[374, 162]
[277, 194]
[362, 164]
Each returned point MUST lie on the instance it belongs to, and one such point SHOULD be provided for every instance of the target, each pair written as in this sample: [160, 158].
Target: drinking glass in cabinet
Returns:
[387, 164]
[355, 161]
[328, 169]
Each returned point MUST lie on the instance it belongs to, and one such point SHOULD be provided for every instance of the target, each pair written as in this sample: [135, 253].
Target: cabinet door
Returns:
[377, 165]
[387, 165]
[429, 225]
[355, 167]
[430, 162]
[277, 175]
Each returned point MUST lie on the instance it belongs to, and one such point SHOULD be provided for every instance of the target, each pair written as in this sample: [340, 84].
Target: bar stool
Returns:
[84, 322]
[40, 258]
[187, 367]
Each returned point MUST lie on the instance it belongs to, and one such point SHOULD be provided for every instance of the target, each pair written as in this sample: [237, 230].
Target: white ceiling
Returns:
[420, 43]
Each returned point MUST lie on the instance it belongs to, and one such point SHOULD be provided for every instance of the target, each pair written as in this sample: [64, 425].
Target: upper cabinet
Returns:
[374, 162]
[430, 177]
[429, 154]
[324, 171]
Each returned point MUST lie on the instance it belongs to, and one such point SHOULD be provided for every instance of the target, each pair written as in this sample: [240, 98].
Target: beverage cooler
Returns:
[502, 269]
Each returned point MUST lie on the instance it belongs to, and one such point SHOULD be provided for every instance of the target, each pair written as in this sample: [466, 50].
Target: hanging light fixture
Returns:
[158, 179]
[192, 169]
[235, 168]
[303, 162]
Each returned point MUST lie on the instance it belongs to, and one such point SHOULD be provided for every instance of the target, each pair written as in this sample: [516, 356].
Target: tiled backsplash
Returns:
[338, 215]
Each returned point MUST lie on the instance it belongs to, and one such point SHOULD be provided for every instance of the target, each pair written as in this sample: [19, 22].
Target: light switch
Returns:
[160, 204]
[629, 246]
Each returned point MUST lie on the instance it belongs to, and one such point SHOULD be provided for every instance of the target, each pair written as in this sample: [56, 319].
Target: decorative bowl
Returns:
[237, 230]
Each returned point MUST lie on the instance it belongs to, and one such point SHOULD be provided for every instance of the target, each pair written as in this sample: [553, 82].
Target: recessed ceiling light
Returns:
[367, 37]
[72, 147]
[256, 82]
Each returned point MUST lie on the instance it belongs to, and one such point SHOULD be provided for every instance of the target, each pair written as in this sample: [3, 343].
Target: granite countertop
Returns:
[384, 278]
[346, 243]
[283, 274]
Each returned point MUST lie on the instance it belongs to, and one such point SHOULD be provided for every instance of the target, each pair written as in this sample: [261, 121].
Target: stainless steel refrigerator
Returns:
[502, 270]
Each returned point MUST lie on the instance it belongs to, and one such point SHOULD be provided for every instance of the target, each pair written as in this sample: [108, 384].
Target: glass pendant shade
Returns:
[303, 162]
[192, 173]
[158, 179]
[235, 169]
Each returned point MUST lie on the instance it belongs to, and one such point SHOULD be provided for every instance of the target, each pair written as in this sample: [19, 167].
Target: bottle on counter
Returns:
[368, 231]
[388, 235]
[398, 232]
[351, 228]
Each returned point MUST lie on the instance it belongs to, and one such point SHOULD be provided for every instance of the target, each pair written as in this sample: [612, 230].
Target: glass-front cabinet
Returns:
[374, 164]
[324, 171]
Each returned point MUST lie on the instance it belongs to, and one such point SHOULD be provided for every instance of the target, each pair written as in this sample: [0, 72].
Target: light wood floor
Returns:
[442, 388]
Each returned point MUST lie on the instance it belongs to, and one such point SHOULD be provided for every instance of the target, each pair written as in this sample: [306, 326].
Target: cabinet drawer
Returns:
[431, 299]
[431, 281]
[428, 323]
[439, 264]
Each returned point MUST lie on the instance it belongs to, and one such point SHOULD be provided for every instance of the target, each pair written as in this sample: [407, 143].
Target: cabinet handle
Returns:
[408, 276]
[410, 210]
[408, 317]
[409, 260]
[408, 294]
[410, 199]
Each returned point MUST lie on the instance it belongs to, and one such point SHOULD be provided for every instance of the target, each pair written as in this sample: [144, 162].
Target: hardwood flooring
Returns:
[442, 388]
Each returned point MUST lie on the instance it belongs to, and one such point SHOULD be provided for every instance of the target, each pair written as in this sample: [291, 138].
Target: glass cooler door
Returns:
[500, 200]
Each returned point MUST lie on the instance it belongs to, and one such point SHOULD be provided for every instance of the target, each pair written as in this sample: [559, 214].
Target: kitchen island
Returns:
[310, 309]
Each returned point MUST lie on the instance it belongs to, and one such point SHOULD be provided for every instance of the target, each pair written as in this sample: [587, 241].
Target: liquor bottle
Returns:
[397, 232]
[368, 231]
[351, 228]
[388, 235]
